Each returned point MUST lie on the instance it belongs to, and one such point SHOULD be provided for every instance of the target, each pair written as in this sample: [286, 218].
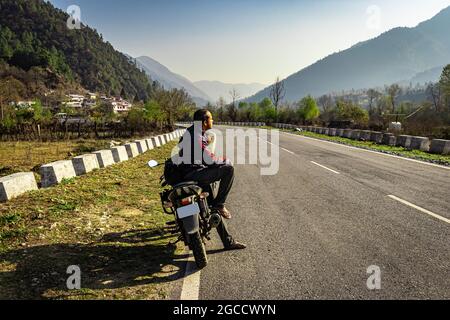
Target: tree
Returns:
[373, 96]
[6, 50]
[394, 91]
[103, 112]
[173, 103]
[308, 109]
[347, 110]
[256, 113]
[444, 83]
[11, 90]
[40, 114]
[153, 112]
[268, 110]
[231, 108]
[277, 93]
[221, 103]
[434, 93]
[244, 111]
[325, 102]
[235, 95]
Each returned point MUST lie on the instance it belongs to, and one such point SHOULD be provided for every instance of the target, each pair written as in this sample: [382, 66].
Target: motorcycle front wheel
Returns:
[198, 249]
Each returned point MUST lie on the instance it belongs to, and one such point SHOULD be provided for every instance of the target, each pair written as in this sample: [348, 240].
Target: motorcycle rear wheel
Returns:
[198, 249]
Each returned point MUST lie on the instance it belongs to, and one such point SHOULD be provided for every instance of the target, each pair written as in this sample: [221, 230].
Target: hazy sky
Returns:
[242, 41]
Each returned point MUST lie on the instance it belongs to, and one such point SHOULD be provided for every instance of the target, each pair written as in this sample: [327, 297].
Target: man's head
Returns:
[205, 117]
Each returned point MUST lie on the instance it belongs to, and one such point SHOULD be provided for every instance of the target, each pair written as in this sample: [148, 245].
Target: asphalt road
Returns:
[314, 229]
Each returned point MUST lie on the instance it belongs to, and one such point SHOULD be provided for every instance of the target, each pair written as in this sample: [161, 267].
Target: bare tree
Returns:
[434, 93]
[444, 83]
[221, 103]
[235, 95]
[232, 109]
[394, 91]
[326, 103]
[373, 96]
[277, 93]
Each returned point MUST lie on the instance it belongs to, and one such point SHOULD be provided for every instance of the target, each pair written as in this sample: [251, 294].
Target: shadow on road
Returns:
[118, 260]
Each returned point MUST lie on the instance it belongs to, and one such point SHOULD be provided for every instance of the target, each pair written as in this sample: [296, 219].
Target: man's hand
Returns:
[228, 162]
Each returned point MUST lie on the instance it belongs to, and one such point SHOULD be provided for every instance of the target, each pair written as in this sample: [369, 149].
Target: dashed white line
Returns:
[288, 151]
[317, 164]
[419, 208]
[266, 141]
[371, 151]
[191, 282]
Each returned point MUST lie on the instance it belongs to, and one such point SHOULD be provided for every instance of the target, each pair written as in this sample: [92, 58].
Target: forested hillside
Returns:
[38, 49]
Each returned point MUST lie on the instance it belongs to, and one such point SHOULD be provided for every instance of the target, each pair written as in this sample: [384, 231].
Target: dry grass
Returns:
[26, 156]
[29, 156]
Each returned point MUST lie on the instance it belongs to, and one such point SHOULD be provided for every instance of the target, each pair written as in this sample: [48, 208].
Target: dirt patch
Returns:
[129, 212]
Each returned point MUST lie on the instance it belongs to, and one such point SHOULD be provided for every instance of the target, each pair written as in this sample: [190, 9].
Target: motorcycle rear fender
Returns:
[191, 224]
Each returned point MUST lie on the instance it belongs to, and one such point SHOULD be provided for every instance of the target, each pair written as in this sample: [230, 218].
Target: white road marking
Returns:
[420, 209]
[324, 167]
[288, 151]
[372, 151]
[266, 141]
[191, 282]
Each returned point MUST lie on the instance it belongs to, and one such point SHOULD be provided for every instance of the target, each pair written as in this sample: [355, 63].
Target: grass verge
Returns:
[368, 145]
[109, 223]
[398, 151]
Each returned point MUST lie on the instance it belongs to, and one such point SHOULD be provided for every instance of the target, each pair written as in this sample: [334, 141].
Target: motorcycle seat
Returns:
[185, 184]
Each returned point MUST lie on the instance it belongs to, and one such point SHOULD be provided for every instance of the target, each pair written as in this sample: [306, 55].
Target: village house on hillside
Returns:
[121, 105]
[90, 100]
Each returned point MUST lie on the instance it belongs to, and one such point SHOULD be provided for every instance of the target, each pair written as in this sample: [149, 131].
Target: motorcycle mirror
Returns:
[153, 163]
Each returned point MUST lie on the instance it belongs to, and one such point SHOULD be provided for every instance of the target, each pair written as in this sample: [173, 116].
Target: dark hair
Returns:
[201, 115]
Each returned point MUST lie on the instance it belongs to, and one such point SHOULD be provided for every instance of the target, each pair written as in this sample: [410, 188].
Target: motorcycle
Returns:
[193, 217]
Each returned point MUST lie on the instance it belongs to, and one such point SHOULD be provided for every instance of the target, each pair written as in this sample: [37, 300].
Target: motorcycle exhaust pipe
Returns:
[214, 220]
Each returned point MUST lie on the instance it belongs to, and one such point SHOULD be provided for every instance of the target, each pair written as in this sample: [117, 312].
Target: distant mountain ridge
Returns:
[217, 89]
[396, 55]
[430, 75]
[162, 74]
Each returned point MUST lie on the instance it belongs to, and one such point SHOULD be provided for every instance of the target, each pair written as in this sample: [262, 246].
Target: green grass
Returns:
[399, 151]
[109, 222]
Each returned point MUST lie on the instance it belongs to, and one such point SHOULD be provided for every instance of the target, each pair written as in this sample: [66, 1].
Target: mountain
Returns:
[157, 71]
[396, 55]
[431, 75]
[216, 89]
[39, 50]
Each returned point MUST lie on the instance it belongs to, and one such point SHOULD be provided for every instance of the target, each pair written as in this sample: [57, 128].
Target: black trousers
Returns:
[206, 176]
[224, 234]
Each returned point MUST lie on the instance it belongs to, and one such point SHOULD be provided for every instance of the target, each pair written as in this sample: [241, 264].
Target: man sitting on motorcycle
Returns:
[202, 166]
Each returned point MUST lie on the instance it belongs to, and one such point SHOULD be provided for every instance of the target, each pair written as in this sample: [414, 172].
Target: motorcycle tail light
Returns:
[186, 201]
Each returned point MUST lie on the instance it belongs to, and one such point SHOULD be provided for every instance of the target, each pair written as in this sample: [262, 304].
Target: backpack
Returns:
[173, 173]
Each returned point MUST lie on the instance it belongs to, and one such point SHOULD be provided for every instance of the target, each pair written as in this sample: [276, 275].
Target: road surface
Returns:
[330, 213]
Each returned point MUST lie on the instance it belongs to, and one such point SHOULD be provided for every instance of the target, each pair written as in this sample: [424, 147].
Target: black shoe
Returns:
[236, 246]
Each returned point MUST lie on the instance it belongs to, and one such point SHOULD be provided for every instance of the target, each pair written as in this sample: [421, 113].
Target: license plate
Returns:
[187, 211]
